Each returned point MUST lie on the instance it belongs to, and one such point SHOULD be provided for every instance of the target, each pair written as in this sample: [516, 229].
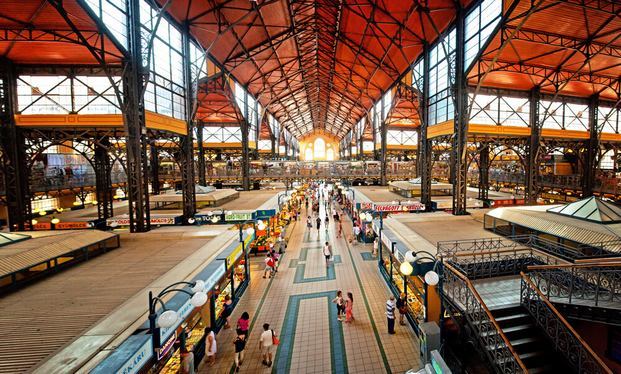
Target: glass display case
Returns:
[225, 290]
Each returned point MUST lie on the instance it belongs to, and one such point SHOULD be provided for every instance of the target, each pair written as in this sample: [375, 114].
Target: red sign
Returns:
[506, 202]
[407, 207]
[72, 225]
[366, 206]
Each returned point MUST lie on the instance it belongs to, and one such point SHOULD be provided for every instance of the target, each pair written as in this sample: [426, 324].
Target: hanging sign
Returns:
[237, 216]
[403, 207]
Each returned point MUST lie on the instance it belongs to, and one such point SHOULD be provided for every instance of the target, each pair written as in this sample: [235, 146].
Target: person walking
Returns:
[327, 252]
[211, 347]
[326, 222]
[309, 223]
[266, 344]
[390, 314]
[243, 324]
[349, 308]
[340, 230]
[240, 345]
[340, 305]
[318, 223]
[269, 266]
[228, 310]
[402, 306]
[375, 246]
[187, 361]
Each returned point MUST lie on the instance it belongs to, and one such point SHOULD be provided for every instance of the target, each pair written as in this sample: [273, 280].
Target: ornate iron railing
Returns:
[565, 339]
[493, 257]
[592, 250]
[459, 291]
[595, 284]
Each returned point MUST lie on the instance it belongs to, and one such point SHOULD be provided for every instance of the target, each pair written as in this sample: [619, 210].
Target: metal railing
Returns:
[458, 289]
[565, 339]
[594, 283]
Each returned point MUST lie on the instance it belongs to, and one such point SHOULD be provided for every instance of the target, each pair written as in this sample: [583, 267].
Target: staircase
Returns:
[532, 346]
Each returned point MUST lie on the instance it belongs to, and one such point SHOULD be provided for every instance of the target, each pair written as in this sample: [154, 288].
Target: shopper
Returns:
[327, 252]
[269, 266]
[309, 224]
[390, 314]
[187, 361]
[240, 345]
[356, 231]
[340, 230]
[318, 223]
[211, 346]
[266, 344]
[375, 246]
[326, 222]
[402, 306]
[349, 308]
[340, 305]
[228, 310]
[243, 323]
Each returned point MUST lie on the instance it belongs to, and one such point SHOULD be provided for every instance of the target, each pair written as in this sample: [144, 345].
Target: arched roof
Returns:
[315, 64]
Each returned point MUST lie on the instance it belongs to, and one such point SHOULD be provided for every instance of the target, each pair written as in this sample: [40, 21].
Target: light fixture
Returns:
[261, 226]
[167, 319]
[114, 224]
[191, 220]
[198, 299]
[59, 210]
[406, 268]
[249, 230]
[55, 221]
[362, 216]
[94, 202]
[77, 203]
[410, 256]
[34, 221]
[369, 217]
[42, 213]
[215, 219]
[432, 278]
[259, 222]
[199, 286]
[393, 202]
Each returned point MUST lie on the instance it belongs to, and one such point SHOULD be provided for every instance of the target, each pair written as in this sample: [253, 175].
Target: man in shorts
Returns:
[327, 252]
[266, 344]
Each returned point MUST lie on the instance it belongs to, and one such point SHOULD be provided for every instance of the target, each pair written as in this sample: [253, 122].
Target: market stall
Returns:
[423, 300]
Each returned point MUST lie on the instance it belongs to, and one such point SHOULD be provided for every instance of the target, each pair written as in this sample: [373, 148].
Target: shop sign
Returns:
[72, 225]
[161, 352]
[183, 313]
[230, 259]
[506, 202]
[366, 206]
[137, 361]
[153, 220]
[263, 213]
[408, 207]
[387, 242]
[238, 216]
[214, 278]
[43, 226]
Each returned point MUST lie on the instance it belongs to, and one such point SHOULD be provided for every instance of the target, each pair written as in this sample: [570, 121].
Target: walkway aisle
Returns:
[296, 303]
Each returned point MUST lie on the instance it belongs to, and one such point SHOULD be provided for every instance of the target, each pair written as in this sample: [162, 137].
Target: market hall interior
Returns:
[310, 186]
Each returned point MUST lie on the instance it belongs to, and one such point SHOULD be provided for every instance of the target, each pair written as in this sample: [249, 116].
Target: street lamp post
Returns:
[168, 318]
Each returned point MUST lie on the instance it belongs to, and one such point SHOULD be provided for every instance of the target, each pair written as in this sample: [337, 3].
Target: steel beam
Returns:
[154, 167]
[460, 134]
[134, 116]
[103, 179]
[484, 171]
[13, 150]
[532, 166]
[245, 161]
[426, 147]
[202, 178]
[188, 183]
[592, 149]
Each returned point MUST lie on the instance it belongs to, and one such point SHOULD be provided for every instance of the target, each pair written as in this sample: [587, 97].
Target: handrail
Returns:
[594, 358]
[603, 260]
[489, 316]
[577, 266]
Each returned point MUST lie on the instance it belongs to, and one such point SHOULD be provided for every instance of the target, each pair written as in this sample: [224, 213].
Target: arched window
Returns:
[330, 154]
[308, 154]
[320, 149]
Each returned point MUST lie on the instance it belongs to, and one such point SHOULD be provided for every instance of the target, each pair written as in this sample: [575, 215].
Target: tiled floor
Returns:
[296, 304]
